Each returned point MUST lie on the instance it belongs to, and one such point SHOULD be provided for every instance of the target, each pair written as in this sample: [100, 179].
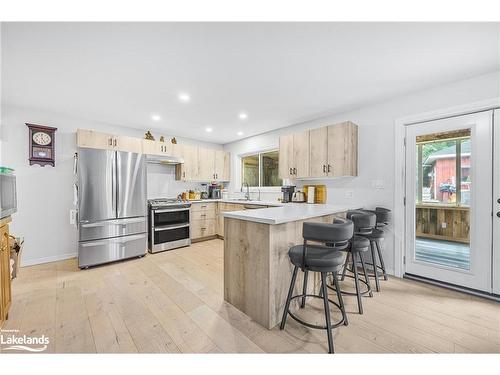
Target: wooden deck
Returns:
[172, 302]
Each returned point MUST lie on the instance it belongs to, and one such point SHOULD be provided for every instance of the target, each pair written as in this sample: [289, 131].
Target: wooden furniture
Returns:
[189, 170]
[42, 141]
[104, 141]
[158, 148]
[257, 271]
[442, 222]
[227, 207]
[329, 151]
[200, 164]
[5, 287]
[203, 220]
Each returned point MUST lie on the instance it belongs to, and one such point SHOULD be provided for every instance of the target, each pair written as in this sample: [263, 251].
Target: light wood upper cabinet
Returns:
[104, 141]
[157, 148]
[200, 164]
[128, 144]
[222, 165]
[286, 156]
[318, 146]
[206, 164]
[93, 139]
[188, 171]
[343, 150]
[301, 154]
[330, 151]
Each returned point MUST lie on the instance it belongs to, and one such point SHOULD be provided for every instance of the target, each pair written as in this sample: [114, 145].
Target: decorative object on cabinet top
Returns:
[149, 136]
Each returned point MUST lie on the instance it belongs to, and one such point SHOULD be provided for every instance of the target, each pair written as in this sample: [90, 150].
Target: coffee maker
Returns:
[214, 191]
[287, 193]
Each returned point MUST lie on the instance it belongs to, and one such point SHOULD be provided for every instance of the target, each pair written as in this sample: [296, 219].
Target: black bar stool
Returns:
[364, 222]
[383, 218]
[323, 259]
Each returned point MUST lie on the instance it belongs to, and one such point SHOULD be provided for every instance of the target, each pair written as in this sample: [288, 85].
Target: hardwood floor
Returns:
[172, 302]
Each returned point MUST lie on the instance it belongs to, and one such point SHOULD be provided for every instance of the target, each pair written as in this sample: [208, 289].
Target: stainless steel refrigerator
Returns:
[112, 206]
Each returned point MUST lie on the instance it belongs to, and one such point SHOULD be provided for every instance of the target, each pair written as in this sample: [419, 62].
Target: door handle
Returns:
[295, 171]
[115, 142]
[110, 141]
[291, 170]
[324, 168]
[329, 168]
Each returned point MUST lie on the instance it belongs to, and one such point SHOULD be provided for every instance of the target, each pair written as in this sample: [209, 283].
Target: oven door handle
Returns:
[170, 210]
[158, 229]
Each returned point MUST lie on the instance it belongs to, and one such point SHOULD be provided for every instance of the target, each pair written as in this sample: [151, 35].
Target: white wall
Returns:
[45, 194]
[376, 143]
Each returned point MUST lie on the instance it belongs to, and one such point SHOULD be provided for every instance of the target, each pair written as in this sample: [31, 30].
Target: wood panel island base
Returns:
[257, 270]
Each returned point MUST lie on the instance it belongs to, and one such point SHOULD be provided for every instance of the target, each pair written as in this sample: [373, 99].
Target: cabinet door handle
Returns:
[110, 141]
[324, 168]
[183, 174]
[329, 168]
[294, 171]
[115, 142]
[291, 170]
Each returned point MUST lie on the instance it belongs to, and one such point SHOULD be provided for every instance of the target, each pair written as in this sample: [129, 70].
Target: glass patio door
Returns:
[449, 200]
[496, 205]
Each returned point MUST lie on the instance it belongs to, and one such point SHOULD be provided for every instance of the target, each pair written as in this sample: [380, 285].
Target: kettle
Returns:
[298, 196]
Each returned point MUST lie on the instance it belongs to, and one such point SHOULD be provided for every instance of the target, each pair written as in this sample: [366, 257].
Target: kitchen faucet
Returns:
[247, 194]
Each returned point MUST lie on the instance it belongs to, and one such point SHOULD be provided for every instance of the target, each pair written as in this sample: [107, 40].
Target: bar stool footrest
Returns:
[367, 291]
[334, 324]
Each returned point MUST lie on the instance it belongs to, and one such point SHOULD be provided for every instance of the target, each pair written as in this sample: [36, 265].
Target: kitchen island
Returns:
[257, 271]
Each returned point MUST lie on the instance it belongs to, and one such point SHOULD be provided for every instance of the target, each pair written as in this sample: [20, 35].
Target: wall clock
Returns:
[42, 141]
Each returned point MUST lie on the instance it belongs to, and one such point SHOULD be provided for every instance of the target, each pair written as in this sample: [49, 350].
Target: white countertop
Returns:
[288, 212]
[239, 201]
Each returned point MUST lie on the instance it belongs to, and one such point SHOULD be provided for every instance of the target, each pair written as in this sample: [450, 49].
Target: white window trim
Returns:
[264, 189]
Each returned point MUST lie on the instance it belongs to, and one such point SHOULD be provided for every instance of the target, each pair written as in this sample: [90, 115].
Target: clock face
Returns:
[42, 139]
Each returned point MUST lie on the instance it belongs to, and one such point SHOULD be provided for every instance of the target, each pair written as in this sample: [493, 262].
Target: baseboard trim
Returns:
[55, 258]
[457, 288]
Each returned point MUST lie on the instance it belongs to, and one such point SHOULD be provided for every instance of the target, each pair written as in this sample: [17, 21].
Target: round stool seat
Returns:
[318, 258]
[375, 234]
[360, 243]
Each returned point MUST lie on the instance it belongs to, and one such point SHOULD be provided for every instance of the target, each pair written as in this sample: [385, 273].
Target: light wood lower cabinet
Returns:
[203, 228]
[5, 282]
[203, 220]
[225, 207]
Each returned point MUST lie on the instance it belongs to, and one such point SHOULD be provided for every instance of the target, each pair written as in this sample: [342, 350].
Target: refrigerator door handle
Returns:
[118, 240]
[114, 184]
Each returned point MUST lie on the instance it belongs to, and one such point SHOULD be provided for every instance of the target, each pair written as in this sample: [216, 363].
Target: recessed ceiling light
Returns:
[184, 98]
[240, 133]
[243, 116]
[208, 130]
[155, 117]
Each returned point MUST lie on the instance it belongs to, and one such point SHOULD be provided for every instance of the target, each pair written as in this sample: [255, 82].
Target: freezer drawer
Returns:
[112, 228]
[91, 253]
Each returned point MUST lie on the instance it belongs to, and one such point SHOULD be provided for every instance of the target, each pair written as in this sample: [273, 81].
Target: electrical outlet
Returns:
[443, 225]
[349, 194]
[72, 217]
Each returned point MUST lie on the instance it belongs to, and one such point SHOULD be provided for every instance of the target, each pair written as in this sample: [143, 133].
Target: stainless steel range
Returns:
[169, 222]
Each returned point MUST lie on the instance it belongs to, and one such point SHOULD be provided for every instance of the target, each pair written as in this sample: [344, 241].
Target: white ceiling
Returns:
[278, 73]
